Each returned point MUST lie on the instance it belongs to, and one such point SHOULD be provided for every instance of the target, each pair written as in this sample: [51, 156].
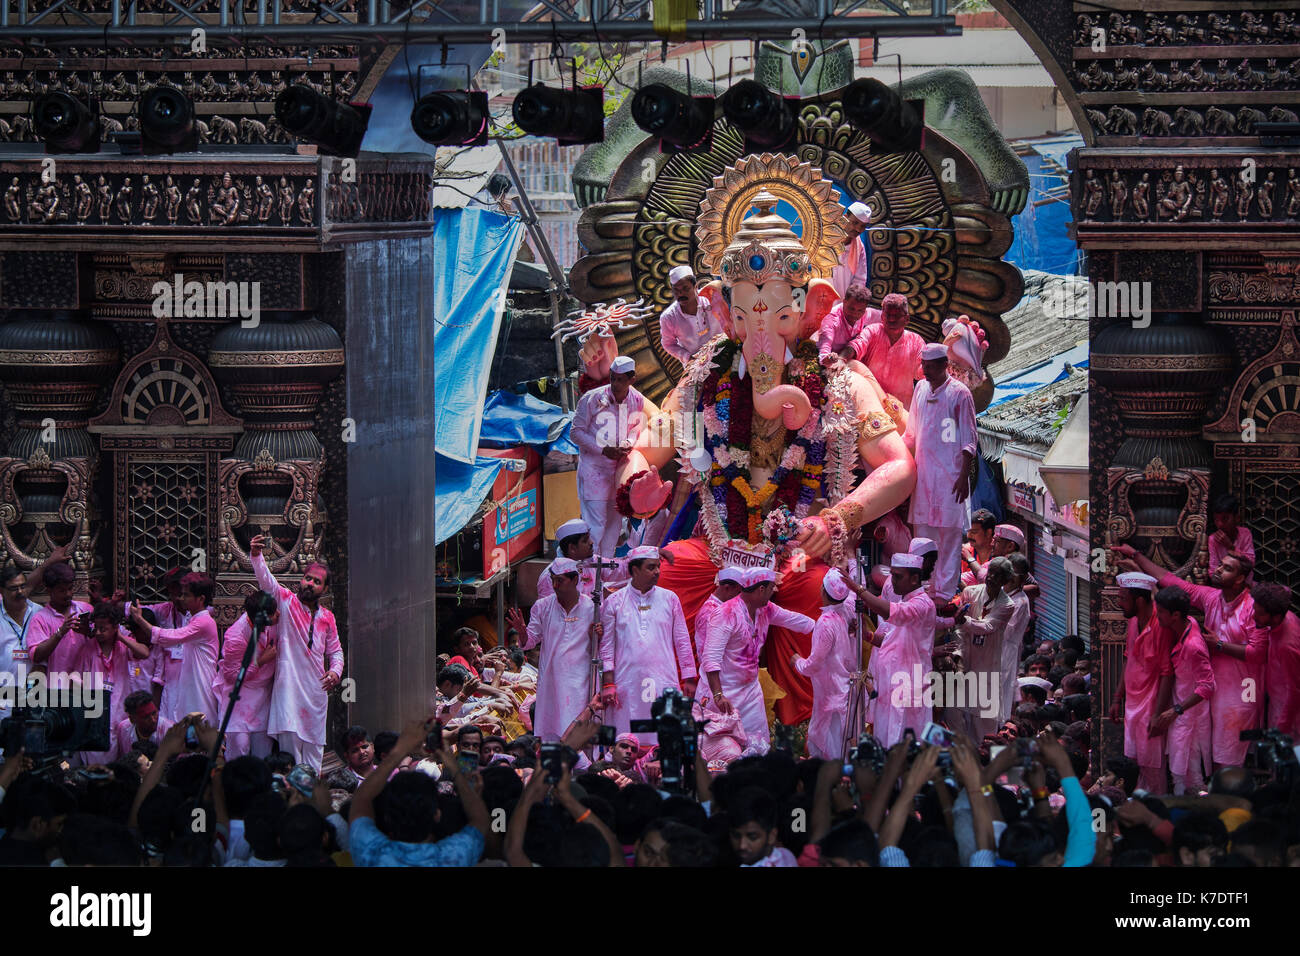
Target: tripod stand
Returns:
[855, 717]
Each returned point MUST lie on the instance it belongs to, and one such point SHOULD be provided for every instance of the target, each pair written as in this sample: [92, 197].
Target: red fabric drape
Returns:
[691, 578]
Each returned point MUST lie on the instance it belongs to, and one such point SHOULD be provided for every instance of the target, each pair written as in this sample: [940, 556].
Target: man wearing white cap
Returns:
[607, 424]
[855, 260]
[644, 645]
[1146, 681]
[732, 646]
[729, 582]
[899, 668]
[941, 436]
[691, 319]
[982, 622]
[831, 666]
[891, 350]
[573, 540]
[563, 624]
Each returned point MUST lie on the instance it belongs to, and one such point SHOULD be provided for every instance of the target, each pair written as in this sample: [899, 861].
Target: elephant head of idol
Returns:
[765, 272]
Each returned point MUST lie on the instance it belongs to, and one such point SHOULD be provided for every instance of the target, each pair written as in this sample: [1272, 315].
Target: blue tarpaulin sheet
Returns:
[1041, 241]
[459, 489]
[1052, 370]
[510, 419]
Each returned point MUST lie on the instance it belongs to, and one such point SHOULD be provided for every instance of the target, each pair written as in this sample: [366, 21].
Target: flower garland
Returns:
[732, 507]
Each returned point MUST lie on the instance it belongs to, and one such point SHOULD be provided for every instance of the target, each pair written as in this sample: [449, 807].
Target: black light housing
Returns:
[767, 119]
[167, 122]
[452, 118]
[572, 117]
[684, 124]
[895, 125]
[336, 128]
[66, 124]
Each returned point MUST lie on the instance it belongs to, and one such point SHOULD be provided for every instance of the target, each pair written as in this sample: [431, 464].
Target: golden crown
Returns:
[765, 248]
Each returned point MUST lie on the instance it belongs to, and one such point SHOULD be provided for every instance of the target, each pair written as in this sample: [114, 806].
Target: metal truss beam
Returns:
[29, 23]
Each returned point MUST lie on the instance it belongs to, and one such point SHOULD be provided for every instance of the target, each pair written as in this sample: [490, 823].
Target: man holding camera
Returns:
[201, 643]
[300, 695]
[734, 640]
[643, 645]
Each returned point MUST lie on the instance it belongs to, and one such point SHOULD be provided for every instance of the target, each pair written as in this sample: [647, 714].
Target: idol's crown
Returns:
[765, 248]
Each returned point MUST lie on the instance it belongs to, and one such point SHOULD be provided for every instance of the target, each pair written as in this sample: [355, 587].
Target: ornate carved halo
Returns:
[800, 184]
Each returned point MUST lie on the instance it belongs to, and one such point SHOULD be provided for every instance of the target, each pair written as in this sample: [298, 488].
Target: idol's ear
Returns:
[819, 299]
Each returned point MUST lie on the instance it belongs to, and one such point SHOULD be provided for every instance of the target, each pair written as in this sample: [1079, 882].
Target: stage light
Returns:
[65, 123]
[336, 128]
[682, 123]
[452, 118]
[167, 122]
[572, 117]
[893, 124]
[766, 119]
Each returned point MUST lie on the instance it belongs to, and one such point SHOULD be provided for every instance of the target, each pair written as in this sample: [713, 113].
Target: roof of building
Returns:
[1038, 328]
[1032, 419]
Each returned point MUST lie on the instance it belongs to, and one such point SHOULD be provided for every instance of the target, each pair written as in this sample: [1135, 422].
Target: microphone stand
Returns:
[260, 623]
[596, 597]
[855, 717]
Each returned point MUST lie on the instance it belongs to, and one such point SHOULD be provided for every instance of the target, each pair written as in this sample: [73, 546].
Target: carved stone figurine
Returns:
[104, 193]
[85, 198]
[149, 197]
[1118, 193]
[1264, 200]
[265, 200]
[285, 193]
[14, 210]
[172, 201]
[307, 203]
[1220, 193]
[1245, 193]
[123, 200]
[1177, 200]
[1292, 194]
[225, 205]
[1093, 194]
[1141, 192]
[193, 209]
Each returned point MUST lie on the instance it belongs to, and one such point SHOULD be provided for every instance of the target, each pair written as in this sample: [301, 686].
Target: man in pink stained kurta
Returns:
[305, 636]
[1229, 534]
[941, 436]
[983, 622]
[843, 324]
[606, 425]
[143, 722]
[57, 657]
[1275, 619]
[563, 623]
[645, 644]
[246, 733]
[1187, 720]
[733, 642]
[201, 642]
[1146, 684]
[106, 656]
[692, 318]
[855, 265]
[164, 664]
[891, 350]
[899, 667]
[830, 667]
[1229, 627]
[729, 582]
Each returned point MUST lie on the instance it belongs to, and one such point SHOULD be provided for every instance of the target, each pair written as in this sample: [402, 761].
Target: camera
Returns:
[302, 779]
[553, 757]
[869, 753]
[1277, 754]
[940, 737]
[606, 735]
[48, 733]
[679, 735]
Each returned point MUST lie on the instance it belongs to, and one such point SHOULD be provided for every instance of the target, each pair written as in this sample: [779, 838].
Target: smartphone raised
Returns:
[466, 761]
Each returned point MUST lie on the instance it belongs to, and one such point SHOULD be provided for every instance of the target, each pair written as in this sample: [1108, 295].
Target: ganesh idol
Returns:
[769, 437]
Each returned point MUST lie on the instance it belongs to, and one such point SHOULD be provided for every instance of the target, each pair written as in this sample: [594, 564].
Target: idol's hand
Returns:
[814, 540]
[649, 493]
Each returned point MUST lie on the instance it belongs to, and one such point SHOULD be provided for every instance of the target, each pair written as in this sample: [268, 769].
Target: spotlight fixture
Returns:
[336, 128]
[572, 117]
[452, 118]
[167, 122]
[895, 125]
[66, 124]
[766, 119]
[684, 124]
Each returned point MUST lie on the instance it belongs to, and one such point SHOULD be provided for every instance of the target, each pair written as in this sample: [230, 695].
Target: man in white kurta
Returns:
[200, 643]
[983, 624]
[606, 425]
[573, 540]
[830, 667]
[732, 646]
[855, 265]
[644, 645]
[562, 623]
[305, 636]
[246, 733]
[728, 581]
[941, 436]
[900, 666]
[692, 318]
